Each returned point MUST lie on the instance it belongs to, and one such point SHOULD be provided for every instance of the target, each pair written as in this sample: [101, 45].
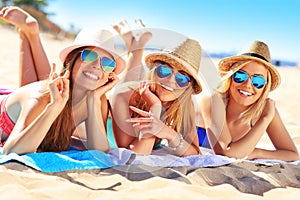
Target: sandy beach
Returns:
[242, 180]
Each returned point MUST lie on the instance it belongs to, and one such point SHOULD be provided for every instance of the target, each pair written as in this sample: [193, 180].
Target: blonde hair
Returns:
[180, 115]
[254, 111]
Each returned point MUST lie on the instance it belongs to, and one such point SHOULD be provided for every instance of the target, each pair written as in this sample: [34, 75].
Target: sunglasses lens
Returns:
[258, 81]
[108, 65]
[182, 80]
[89, 56]
[163, 71]
[240, 76]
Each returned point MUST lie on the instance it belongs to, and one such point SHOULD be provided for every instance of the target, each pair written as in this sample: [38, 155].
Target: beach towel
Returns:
[51, 162]
[207, 159]
[92, 159]
[56, 162]
[163, 159]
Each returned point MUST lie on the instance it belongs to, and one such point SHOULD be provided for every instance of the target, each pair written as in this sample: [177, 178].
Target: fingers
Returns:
[144, 87]
[59, 82]
[141, 112]
[53, 73]
[111, 81]
[140, 120]
[150, 97]
[66, 74]
[65, 91]
[113, 76]
[59, 89]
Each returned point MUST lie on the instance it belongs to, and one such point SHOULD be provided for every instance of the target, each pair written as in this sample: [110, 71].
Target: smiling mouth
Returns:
[91, 76]
[166, 87]
[245, 93]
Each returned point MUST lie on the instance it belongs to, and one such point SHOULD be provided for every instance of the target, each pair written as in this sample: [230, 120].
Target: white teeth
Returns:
[245, 93]
[166, 87]
[90, 75]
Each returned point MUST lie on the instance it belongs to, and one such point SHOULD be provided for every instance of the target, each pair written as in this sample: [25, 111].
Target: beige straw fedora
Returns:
[258, 51]
[102, 39]
[186, 56]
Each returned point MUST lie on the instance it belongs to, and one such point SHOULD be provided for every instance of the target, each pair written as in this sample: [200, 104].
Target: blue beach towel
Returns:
[56, 162]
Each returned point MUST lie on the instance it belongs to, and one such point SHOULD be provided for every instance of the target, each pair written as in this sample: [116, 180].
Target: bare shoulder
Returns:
[28, 94]
[204, 101]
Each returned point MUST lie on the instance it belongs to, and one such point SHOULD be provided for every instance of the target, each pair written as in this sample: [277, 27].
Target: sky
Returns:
[220, 26]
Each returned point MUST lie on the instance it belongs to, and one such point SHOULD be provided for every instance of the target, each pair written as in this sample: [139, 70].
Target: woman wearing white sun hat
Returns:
[43, 115]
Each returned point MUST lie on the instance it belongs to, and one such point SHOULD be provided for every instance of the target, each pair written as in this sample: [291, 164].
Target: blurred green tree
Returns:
[37, 4]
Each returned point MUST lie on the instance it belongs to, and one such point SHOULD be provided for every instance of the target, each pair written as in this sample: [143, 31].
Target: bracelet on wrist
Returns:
[178, 146]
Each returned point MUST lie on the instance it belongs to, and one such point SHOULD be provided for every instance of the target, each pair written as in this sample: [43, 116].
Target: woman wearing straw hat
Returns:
[160, 108]
[248, 112]
[43, 115]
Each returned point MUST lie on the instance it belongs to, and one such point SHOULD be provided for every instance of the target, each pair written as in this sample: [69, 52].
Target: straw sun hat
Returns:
[259, 52]
[102, 39]
[186, 56]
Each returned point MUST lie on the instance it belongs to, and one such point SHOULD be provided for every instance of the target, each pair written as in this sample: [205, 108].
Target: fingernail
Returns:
[141, 91]
[140, 135]
[135, 125]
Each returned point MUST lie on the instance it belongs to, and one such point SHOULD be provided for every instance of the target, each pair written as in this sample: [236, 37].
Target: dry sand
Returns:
[235, 181]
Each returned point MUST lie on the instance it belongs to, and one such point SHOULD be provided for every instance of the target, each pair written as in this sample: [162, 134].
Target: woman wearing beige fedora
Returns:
[159, 109]
[43, 115]
[238, 117]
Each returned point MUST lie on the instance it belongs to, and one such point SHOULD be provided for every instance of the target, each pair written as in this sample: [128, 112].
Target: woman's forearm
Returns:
[285, 155]
[95, 127]
[244, 146]
[142, 146]
[28, 140]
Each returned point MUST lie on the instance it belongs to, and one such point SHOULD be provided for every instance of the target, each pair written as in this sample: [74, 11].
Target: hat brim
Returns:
[225, 65]
[120, 62]
[175, 61]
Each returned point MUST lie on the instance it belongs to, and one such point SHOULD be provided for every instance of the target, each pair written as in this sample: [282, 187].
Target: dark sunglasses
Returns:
[163, 71]
[241, 76]
[107, 64]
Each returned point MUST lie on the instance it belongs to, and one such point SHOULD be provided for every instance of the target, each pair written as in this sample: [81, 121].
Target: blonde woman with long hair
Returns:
[158, 108]
[237, 118]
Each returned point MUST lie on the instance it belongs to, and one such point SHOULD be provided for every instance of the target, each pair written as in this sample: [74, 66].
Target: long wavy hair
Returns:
[254, 111]
[180, 115]
[58, 137]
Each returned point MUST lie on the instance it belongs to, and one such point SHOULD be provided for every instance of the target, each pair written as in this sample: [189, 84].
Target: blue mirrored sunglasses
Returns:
[164, 71]
[241, 76]
[107, 64]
